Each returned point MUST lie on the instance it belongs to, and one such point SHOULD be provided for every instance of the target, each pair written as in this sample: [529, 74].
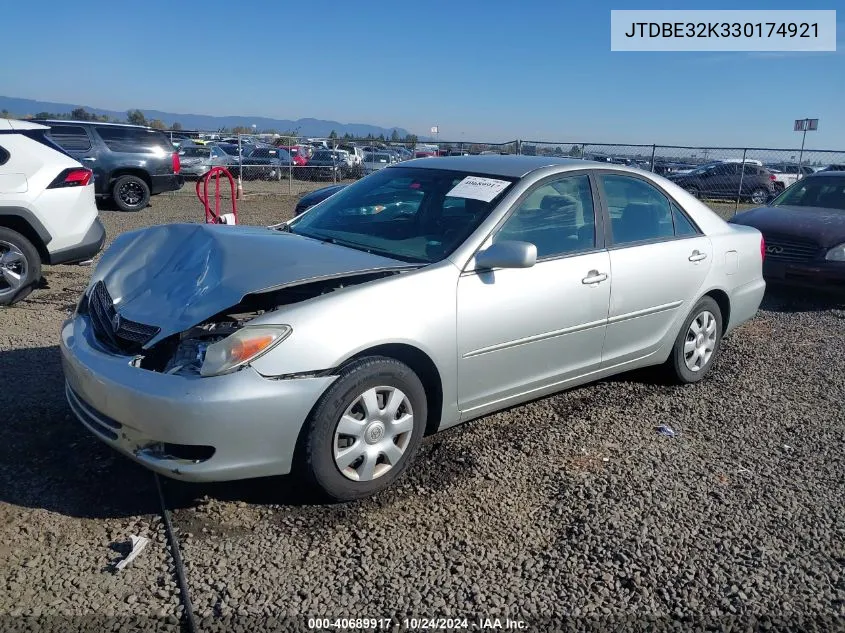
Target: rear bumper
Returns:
[745, 301]
[166, 182]
[818, 275]
[89, 246]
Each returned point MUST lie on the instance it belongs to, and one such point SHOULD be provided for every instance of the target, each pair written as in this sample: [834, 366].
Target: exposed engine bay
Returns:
[183, 354]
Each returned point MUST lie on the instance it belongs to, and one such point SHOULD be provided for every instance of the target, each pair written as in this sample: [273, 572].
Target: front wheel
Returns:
[698, 342]
[759, 196]
[365, 429]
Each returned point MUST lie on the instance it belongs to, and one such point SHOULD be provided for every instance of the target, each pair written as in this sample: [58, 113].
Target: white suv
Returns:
[47, 209]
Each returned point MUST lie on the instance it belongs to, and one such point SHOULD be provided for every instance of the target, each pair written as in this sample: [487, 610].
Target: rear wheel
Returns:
[20, 266]
[698, 342]
[365, 429]
[130, 193]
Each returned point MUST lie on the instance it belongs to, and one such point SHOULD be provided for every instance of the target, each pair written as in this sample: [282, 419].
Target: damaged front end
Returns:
[228, 341]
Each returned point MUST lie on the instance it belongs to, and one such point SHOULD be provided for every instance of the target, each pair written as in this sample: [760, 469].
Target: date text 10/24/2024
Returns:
[417, 624]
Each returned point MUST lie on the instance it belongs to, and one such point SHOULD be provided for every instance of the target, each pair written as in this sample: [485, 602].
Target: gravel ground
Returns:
[571, 506]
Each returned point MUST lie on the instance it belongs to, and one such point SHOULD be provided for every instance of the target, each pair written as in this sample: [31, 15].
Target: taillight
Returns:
[772, 177]
[177, 164]
[73, 177]
[762, 247]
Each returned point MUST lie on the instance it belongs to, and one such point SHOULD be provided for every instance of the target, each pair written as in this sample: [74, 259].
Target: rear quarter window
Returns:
[134, 140]
[70, 137]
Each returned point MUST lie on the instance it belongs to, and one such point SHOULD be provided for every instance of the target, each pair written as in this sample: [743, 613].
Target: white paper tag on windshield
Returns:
[478, 188]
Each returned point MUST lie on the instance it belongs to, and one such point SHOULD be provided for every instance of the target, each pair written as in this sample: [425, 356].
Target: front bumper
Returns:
[251, 422]
[194, 170]
[817, 275]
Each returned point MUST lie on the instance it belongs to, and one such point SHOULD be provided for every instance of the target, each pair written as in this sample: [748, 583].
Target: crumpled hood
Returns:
[177, 275]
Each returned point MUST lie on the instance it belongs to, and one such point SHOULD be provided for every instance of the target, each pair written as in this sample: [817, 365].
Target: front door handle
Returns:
[594, 277]
[89, 159]
[697, 256]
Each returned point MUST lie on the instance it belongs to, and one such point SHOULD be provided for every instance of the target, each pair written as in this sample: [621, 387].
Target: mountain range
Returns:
[305, 127]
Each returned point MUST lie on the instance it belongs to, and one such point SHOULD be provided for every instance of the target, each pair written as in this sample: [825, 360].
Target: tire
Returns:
[335, 479]
[759, 196]
[693, 191]
[20, 267]
[681, 369]
[130, 193]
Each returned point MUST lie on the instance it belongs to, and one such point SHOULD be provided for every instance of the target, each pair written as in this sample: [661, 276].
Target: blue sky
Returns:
[481, 70]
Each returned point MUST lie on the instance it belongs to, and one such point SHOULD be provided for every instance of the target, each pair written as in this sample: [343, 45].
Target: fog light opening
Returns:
[193, 453]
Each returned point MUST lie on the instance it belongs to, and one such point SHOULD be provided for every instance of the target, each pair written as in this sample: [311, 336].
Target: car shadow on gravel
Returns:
[785, 299]
[48, 460]
[437, 465]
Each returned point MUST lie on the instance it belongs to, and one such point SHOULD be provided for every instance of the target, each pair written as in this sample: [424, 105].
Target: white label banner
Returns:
[723, 30]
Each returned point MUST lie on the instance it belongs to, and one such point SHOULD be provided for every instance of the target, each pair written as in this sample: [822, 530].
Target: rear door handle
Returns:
[594, 277]
[697, 257]
[89, 159]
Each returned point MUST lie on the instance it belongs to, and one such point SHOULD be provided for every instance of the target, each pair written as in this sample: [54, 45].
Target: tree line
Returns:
[137, 117]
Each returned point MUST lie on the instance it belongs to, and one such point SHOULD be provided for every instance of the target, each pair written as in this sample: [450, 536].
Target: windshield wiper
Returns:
[368, 249]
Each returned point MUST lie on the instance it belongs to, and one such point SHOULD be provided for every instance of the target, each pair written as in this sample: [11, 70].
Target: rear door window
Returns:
[133, 140]
[72, 138]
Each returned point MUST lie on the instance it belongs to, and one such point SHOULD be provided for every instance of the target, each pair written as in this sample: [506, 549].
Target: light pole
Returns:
[804, 125]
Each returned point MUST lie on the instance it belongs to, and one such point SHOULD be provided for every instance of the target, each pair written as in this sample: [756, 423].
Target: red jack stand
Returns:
[215, 217]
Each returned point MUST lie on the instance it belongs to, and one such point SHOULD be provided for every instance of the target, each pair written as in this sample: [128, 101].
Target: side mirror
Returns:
[507, 254]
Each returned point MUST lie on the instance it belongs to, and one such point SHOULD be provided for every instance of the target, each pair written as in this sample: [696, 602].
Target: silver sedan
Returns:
[427, 294]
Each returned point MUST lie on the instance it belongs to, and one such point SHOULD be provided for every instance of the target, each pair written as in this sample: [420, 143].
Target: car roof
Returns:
[826, 174]
[74, 121]
[17, 124]
[497, 165]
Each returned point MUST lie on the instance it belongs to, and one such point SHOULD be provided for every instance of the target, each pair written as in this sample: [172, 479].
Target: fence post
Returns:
[290, 167]
[653, 151]
[741, 176]
[240, 166]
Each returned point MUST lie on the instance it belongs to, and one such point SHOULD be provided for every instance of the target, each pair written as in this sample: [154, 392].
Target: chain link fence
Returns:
[292, 165]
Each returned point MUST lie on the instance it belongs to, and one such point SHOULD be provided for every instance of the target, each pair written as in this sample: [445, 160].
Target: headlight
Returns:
[836, 254]
[242, 347]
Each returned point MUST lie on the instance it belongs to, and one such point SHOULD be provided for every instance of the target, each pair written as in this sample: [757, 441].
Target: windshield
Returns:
[231, 150]
[195, 152]
[825, 192]
[404, 213]
[702, 168]
[377, 158]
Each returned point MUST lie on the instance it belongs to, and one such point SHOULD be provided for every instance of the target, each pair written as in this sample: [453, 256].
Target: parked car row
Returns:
[252, 160]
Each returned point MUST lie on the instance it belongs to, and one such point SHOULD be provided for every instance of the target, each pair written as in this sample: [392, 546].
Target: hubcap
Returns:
[700, 341]
[758, 197]
[131, 193]
[373, 433]
[13, 268]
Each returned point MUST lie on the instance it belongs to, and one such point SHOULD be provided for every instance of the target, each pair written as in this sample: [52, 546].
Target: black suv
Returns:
[130, 162]
[727, 180]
